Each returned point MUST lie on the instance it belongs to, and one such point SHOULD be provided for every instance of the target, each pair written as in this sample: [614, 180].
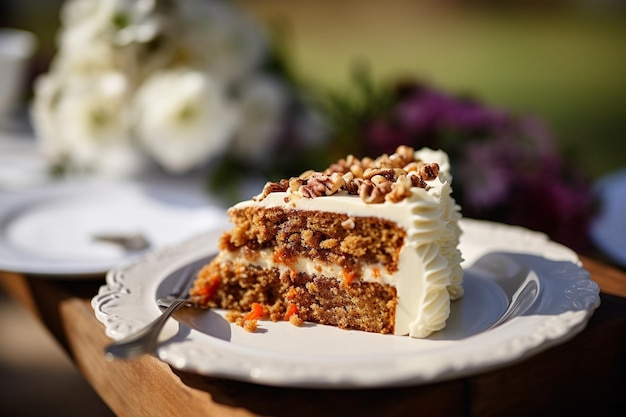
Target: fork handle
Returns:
[146, 339]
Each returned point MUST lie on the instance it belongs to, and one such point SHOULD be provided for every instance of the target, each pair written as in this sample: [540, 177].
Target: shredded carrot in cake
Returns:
[348, 277]
[282, 256]
[292, 315]
[208, 291]
[291, 310]
[256, 312]
[376, 273]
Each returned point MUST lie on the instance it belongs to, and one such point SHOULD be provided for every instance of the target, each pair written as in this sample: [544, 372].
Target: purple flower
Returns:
[473, 118]
[484, 178]
[420, 113]
[559, 209]
[537, 133]
[382, 137]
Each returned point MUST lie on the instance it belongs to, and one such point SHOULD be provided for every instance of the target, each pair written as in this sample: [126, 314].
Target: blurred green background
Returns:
[564, 61]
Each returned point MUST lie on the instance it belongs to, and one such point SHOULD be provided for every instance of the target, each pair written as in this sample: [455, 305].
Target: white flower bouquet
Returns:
[140, 81]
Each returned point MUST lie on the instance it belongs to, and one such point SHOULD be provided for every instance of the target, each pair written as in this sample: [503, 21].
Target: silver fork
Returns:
[132, 242]
[146, 339]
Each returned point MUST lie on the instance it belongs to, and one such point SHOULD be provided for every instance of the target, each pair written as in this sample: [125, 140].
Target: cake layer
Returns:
[367, 306]
[323, 238]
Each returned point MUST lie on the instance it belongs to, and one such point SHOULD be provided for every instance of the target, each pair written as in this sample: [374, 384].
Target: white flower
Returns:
[136, 21]
[110, 35]
[122, 21]
[90, 17]
[84, 58]
[92, 111]
[83, 48]
[182, 118]
[262, 107]
[85, 120]
[47, 89]
[116, 86]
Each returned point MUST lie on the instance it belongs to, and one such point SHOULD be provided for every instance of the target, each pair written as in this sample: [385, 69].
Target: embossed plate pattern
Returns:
[498, 260]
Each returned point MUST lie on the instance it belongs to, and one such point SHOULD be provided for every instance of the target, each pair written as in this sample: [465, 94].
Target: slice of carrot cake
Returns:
[367, 244]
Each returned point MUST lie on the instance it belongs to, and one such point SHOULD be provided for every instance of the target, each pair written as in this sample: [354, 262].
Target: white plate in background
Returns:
[49, 230]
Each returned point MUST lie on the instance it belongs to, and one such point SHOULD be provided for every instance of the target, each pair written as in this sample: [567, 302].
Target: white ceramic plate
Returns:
[498, 260]
[608, 229]
[49, 230]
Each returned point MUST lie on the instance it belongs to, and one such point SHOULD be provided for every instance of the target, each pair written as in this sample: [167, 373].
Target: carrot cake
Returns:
[367, 244]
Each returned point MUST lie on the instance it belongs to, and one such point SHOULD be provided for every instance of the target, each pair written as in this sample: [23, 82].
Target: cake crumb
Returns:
[250, 321]
[250, 325]
[296, 320]
[232, 316]
[329, 243]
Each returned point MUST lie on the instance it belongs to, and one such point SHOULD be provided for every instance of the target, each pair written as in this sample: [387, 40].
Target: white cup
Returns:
[16, 48]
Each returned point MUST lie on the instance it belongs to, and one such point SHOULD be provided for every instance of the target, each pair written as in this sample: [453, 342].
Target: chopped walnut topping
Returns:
[295, 184]
[273, 187]
[306, 174]
[356, 171]
[379, 179]
[347, 177]
[429, 172]
[386, 178]
[338, 167]
[315, 186]
[405, 154]
[352, 187]
[413, 166]
[373, 193]
[401, 190]
[318, 184]
[416, 180]
[386, 173]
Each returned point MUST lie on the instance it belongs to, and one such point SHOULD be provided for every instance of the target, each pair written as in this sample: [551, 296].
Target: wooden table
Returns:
[584, 375]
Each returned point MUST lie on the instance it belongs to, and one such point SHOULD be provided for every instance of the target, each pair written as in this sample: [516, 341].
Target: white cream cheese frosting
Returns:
[429, 274]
